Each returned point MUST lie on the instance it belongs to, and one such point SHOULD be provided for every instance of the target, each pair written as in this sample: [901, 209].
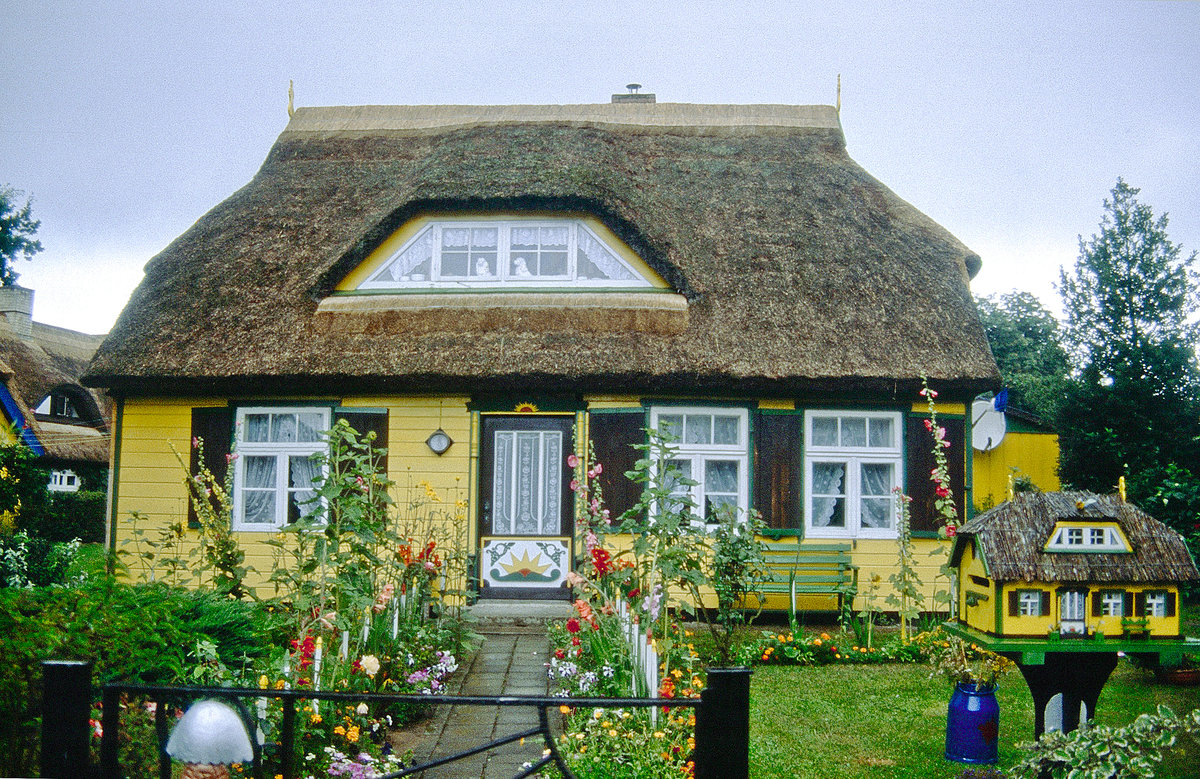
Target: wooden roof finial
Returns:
[291, 99]
[1121, 488]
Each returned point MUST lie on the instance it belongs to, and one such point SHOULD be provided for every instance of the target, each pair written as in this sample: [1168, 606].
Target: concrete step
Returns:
[500, 615]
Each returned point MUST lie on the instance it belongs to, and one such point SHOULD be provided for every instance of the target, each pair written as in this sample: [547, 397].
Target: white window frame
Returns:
[1029, 603]
[1112, 603]
[577, 231]
[63, 480]
[700, 454]
[281, 451]
[1156, 604]
[854, 458]
[1081, 538]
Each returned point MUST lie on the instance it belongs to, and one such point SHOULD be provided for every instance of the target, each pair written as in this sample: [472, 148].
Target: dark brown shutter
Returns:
[214, 426]
[1139, 604]
[613, 436]
[1127, 604]
[779, 470]
[920, 463]
[1045, 603]
[1014, 603]
[1170, 604]
[368, 421]
[1097, 604]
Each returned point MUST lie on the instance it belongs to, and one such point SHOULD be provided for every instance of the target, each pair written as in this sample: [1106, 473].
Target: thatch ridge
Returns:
[800, 269]
[1013, 534]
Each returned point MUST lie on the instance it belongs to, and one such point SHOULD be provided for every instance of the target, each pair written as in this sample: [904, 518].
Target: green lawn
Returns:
[889, 720]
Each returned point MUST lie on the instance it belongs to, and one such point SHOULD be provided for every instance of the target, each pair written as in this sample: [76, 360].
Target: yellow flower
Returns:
[659, 734]
[339, 730]
[315, 719]
[676, 673]
[352, 735]
[564, 709]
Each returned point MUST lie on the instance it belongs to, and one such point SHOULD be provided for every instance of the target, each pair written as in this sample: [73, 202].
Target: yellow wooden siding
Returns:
[1108, 626]
[1033, 454]
[982, 615]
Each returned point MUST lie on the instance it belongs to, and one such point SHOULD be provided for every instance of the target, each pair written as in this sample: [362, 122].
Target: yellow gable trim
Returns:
[388, 249]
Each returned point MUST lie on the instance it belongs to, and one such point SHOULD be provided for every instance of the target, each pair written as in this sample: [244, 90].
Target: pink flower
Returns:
[599, 469]
[951, 531]
[230, 457]
[572, 461]
[195, 442]
[574, 485]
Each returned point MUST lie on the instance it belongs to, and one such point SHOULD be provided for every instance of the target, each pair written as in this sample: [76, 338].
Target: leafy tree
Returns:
[1133, 405]
[1026, 342]
[17, 228]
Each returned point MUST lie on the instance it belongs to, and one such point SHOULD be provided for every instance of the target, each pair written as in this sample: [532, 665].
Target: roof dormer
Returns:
[1071, 535]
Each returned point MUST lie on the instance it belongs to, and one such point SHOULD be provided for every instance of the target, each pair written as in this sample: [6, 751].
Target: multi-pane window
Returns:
[1156, 604]
[1112, 603]
[63, 481]
[852, 467]
[709, 447]
[498, 252]
[1104, 538]
[1029, 603]
[275, 471]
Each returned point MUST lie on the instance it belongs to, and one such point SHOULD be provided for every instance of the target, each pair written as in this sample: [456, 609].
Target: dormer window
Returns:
[58, 405]
[1087, 537]
[505, 253]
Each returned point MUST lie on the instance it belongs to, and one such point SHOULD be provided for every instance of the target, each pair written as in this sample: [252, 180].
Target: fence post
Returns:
[723, 725]
[66, 704]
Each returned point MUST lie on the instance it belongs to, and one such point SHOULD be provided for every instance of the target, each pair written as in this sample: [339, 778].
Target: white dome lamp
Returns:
[209, 738]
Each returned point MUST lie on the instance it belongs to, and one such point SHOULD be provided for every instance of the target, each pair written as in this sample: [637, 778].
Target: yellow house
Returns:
[484, 285]
[1028, 448]
[1071, 565]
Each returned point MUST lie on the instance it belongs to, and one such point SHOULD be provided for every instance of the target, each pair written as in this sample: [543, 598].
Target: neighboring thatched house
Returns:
[1070, 564]
[476, 282]
[45, 406]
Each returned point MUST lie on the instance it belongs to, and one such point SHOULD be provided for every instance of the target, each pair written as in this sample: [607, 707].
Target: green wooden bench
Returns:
[810, 569]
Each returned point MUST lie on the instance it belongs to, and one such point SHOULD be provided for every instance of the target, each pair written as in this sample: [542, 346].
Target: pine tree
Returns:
[17, 228]
[1133, 407]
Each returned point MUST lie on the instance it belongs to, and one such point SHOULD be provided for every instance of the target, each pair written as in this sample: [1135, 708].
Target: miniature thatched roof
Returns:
[799, 269]
[1011, 538]
[32, 369]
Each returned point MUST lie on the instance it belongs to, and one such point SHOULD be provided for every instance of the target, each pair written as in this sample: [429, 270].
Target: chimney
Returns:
[633, 96]
[16, 306]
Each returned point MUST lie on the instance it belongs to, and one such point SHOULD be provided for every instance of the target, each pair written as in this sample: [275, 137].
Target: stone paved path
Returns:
[511, 661]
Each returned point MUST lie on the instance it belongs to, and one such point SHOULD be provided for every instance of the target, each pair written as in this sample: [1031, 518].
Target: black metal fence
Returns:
[722, 735]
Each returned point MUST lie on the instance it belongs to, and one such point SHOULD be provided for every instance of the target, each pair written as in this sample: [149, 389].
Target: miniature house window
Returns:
[1029, 603]
[1156, 604]
[499, 253]
[63, 481]
[58, 404]
[710, 448]
[274, 472]
[1094, 538]
[851, 468]
[1112, 603]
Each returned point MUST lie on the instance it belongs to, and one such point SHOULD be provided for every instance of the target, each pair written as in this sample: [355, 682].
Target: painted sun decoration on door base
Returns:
[525, 562]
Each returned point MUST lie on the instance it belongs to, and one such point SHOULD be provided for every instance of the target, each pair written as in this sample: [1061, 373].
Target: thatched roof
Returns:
[1011, 538]
[800, 271]
[32, 369]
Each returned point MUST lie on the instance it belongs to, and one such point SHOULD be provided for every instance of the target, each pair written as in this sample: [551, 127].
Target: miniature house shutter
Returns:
[1045, 603]
[779, 469]
[1169, 606]
[368, 421]
[1127, 604]
[1139, 604]
[1014, 603]
[214, 426]
[613, 436]
[919, 443]
[1097, 604]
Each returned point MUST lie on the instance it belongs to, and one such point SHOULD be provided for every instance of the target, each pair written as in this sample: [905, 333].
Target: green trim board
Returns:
[114, 478]
[1170, 650]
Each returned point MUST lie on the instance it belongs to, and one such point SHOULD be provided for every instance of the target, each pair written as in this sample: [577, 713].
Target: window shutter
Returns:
[368, 421]
[920, 463]
[613, 436]
[1170, 604]
[779, 469]
[1097, 604]
[1127, 604]
[1139, 608]
[1014, 603]
[215, 427]
[1045, 603]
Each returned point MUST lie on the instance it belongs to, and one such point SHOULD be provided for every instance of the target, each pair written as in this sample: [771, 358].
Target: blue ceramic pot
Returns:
[973, 725]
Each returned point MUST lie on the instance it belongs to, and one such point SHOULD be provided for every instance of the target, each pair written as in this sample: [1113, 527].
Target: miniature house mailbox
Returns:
[1060, 582]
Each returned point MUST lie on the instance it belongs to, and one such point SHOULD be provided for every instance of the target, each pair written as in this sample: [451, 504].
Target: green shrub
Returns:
[27, 561]
[67, 515]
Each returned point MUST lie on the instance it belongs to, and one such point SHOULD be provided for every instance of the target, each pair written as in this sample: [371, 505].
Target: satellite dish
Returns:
[987, 425]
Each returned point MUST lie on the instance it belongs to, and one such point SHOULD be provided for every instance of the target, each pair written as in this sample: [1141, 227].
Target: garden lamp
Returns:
[210, 737]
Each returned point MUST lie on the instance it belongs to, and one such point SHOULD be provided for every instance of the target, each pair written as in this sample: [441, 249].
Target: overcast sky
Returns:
[1008, 123]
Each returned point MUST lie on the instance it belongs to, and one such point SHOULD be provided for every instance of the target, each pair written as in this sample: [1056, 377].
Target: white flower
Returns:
[362, 707]
[370, 664]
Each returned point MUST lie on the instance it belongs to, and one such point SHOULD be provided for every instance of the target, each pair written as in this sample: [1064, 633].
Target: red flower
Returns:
[561, 655]
[575, 641]
[572, 625]
[951, 531]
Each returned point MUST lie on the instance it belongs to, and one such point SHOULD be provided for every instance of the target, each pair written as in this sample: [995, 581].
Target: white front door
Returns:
[1071, 612]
